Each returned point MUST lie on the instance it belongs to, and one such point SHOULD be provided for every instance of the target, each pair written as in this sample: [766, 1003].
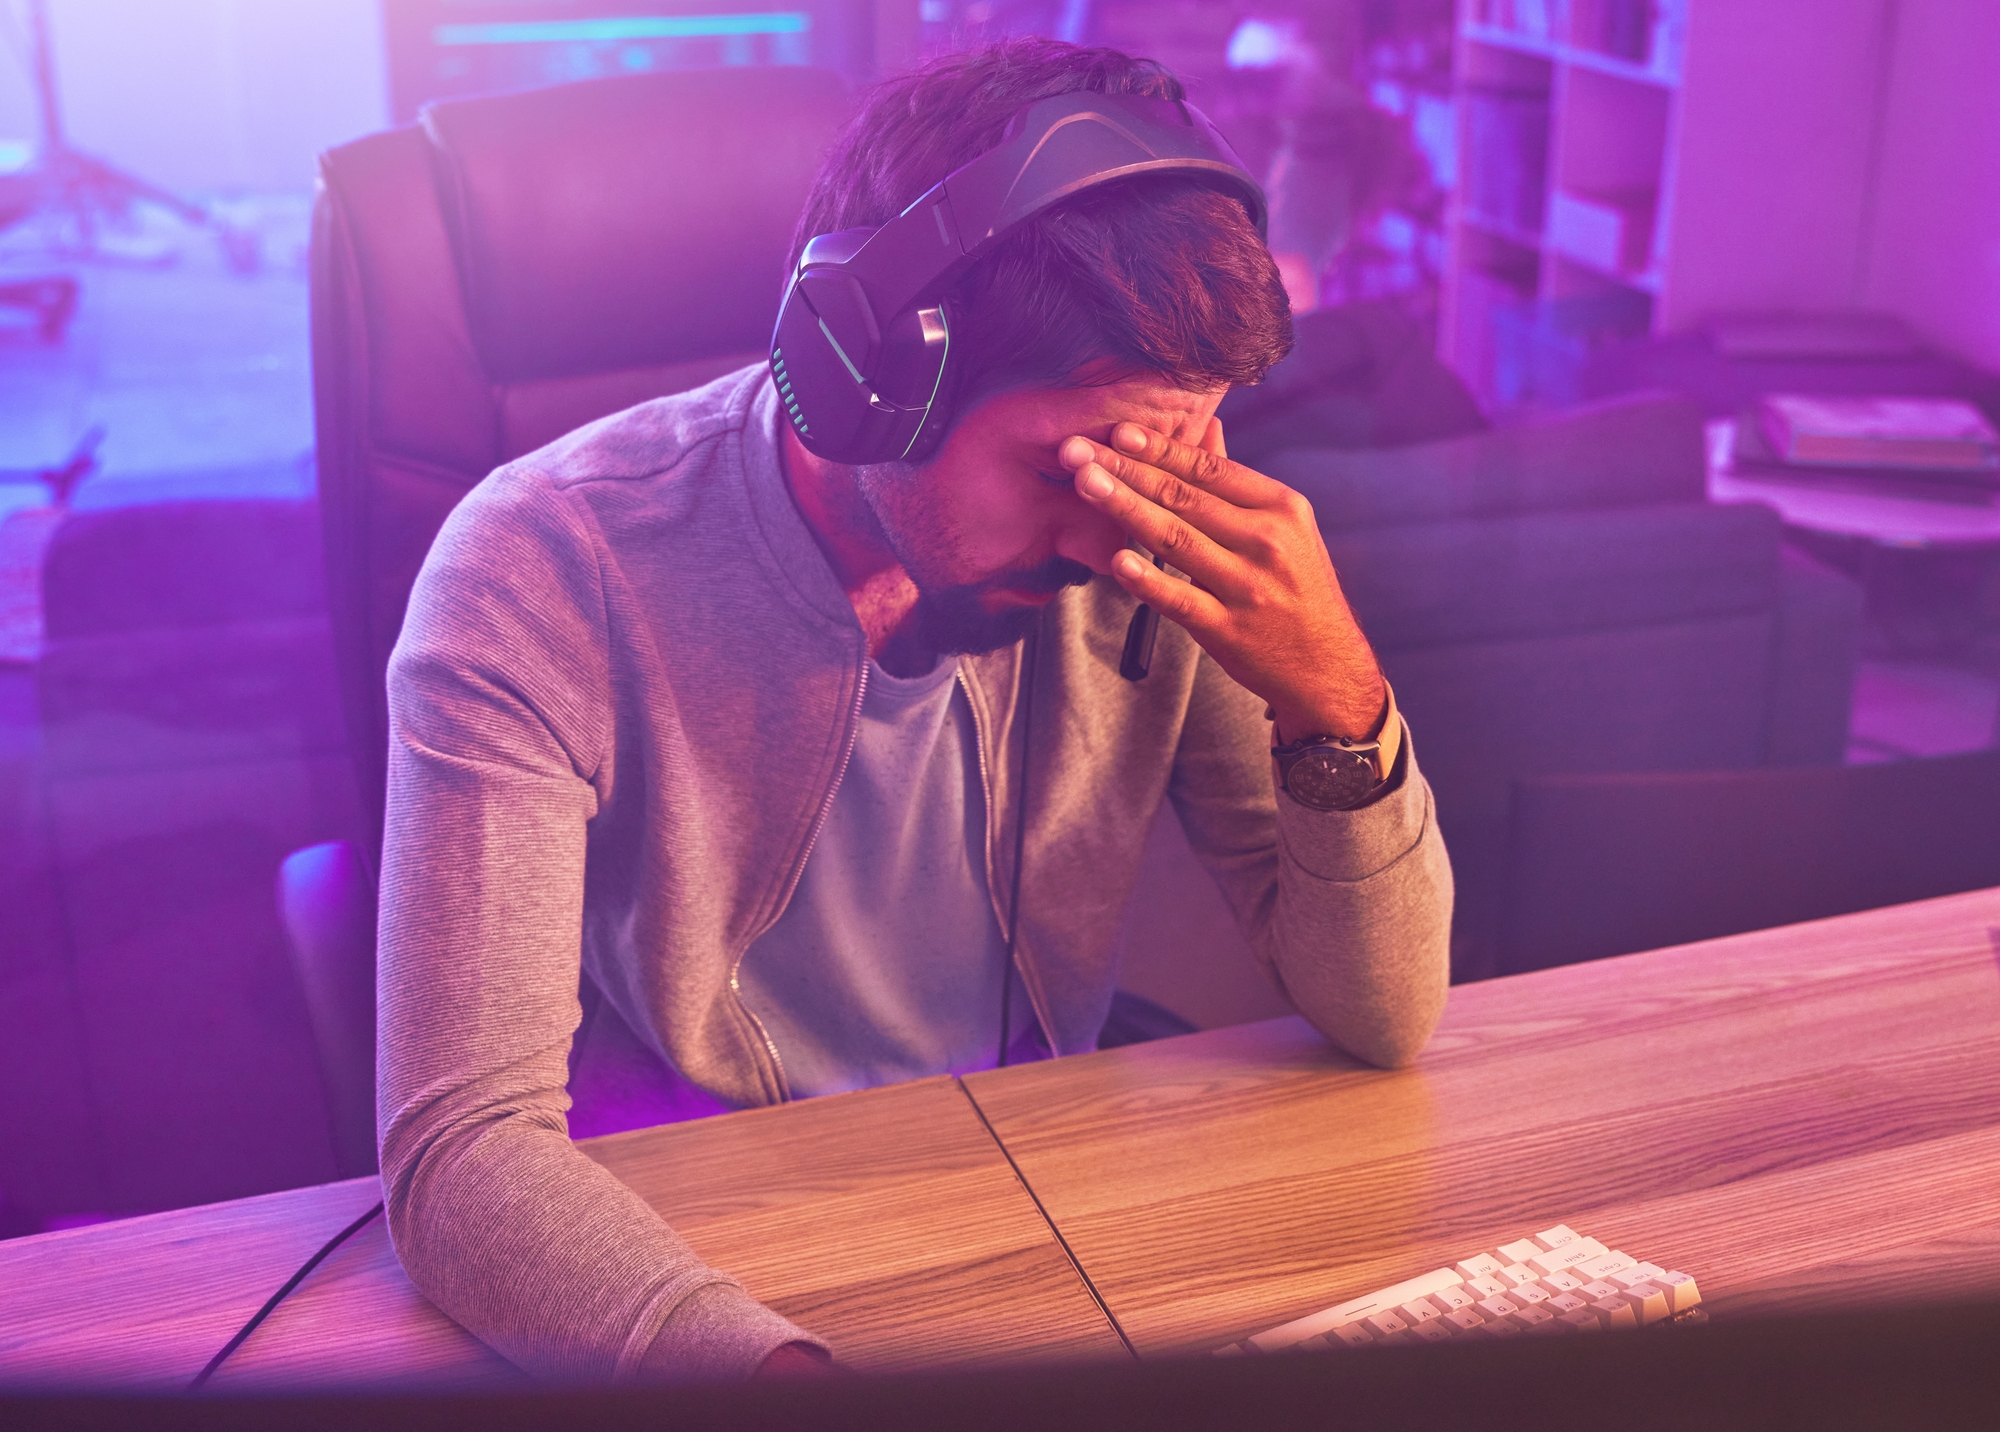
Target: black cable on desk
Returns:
[278, 1297]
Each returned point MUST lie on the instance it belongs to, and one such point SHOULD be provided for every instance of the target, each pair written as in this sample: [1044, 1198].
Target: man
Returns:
[814, 776]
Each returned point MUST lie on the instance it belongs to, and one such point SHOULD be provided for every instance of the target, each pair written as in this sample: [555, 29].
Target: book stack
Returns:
[1935, 440]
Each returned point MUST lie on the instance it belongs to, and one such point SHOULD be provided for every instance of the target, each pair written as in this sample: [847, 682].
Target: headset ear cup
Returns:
[938, 415]
[819, 398]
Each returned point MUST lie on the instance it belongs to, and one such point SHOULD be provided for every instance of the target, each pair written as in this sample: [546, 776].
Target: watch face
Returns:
[1330, 778]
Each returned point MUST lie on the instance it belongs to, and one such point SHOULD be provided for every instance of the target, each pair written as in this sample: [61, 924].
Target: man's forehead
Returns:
[1150, 403]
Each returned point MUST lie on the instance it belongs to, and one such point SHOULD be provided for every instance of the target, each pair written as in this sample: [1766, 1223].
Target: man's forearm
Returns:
[1361, 933]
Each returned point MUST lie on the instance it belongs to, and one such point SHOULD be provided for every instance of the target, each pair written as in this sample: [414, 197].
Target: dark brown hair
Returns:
[1157, 275]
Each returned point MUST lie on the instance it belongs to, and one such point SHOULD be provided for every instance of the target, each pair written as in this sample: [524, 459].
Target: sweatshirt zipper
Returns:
[1000, 915]
[979, 739]
[798, 873]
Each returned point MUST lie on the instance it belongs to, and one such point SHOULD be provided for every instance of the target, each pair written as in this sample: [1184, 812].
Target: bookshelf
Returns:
[1628, 167]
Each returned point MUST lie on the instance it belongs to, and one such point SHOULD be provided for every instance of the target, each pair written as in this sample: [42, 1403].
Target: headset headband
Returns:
[861, 343]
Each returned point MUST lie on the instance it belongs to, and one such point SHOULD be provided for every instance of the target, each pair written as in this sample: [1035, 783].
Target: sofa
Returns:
[191, 735]
[1554, 597]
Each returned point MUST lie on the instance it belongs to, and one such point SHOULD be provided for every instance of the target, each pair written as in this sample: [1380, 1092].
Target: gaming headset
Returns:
[864, 338]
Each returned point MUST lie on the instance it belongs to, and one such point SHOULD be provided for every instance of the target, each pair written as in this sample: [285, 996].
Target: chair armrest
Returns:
[326, 899]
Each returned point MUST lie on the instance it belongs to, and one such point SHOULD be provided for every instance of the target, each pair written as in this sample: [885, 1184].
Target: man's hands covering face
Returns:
[1262, 598]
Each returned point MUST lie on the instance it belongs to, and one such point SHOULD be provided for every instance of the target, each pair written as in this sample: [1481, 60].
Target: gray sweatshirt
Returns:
[621, 703]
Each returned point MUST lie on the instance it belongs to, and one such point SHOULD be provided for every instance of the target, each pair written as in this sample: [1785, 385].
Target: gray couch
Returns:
[191, 736]
[1551, 598]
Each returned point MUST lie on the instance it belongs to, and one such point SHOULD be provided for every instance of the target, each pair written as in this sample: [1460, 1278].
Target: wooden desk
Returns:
[888, 1221]
[1798, 1117]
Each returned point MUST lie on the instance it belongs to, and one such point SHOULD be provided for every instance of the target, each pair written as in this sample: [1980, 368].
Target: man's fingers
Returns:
[1206, 467]
[1180, 602]
[1223, 521]
[1176, 536]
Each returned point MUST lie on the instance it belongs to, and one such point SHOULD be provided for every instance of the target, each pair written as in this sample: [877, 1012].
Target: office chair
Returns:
[505, 270]
[1610, 864]
[513, 267]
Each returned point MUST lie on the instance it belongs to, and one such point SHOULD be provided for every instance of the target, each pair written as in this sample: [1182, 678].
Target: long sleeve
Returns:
[1349, 910]
[499, 739]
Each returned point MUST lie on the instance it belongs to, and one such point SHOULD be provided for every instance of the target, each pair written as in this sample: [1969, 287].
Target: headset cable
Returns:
[271, 1303]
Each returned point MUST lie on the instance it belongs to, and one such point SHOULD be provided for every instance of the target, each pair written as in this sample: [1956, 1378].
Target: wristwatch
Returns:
[1330, 772]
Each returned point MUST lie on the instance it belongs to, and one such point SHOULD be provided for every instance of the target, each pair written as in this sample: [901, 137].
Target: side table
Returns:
[1928, 556]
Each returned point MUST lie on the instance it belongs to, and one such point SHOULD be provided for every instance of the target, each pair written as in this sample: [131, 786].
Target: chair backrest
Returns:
[513, 267]
[1605, 865]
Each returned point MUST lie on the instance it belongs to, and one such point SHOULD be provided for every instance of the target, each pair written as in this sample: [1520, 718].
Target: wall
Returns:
[1778, 124]
[206, 95]
[1933, 244]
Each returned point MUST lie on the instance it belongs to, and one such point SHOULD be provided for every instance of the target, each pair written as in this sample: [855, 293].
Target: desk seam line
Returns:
[1061, 1242]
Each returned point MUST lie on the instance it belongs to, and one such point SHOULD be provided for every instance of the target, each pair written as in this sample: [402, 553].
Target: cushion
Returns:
[1626, 453]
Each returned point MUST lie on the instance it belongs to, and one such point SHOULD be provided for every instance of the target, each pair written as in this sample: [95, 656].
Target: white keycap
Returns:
[1650, 1302]
[1285, 1334]
[1479, 1264]
[1605, 1264]
[1556, 1282]
[1568, 1256]
[1680, 1289]
[1618, 1313]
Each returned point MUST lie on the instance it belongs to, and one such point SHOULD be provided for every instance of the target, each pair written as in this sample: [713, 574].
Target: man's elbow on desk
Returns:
[1389, 1048]
[1376, 909]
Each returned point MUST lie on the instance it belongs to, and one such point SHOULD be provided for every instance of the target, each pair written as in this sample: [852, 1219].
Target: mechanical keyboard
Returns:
[1556, 1282]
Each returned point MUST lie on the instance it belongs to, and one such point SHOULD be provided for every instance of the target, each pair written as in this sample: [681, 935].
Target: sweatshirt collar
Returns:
[802, 567]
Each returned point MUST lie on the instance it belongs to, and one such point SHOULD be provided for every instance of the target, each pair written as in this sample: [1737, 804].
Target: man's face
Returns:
[991, 528]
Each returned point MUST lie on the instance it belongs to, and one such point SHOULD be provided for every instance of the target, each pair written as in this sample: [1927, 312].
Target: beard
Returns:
[954, 618]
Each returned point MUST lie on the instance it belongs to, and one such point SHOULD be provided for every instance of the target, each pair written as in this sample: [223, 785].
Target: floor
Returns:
[1926, 706]
[199, 376]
